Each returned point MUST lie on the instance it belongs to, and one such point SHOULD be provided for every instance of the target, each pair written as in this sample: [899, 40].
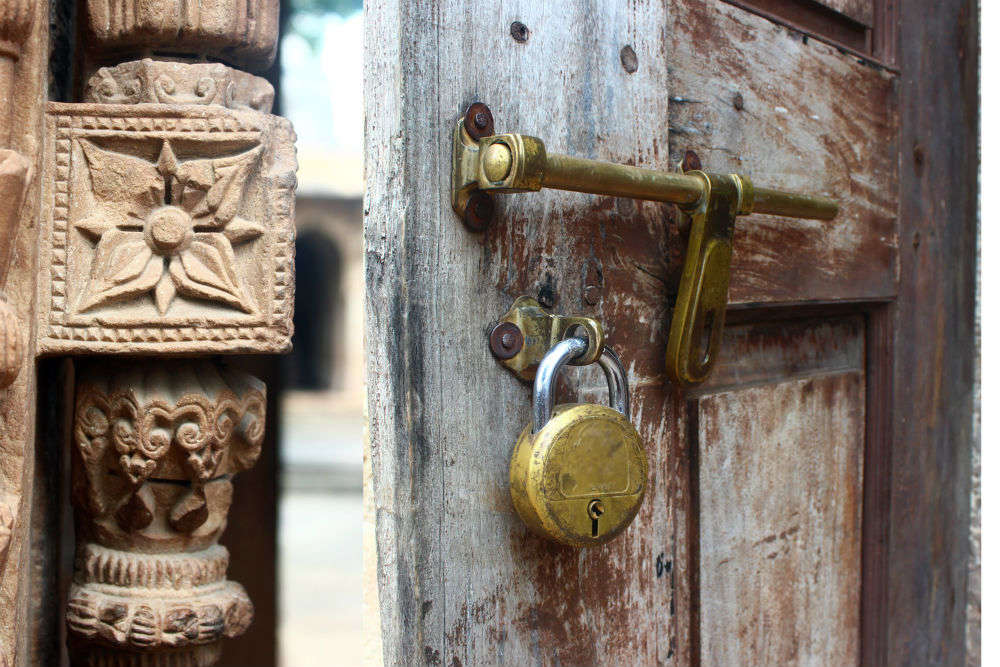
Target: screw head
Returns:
[506, 340]
[478, 120]
[519, 32]
[691, 161]
[478, 211]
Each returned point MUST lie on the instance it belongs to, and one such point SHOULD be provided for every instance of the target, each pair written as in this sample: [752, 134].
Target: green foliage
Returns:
[306, 17]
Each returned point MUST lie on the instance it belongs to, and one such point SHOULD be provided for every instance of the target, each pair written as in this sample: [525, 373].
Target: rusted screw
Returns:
[691, 161]
[506, 340]
[478, 120]
[478, 211]
[595, 509]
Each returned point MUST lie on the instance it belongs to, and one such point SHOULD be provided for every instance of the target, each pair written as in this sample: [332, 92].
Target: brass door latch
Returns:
[484, 163]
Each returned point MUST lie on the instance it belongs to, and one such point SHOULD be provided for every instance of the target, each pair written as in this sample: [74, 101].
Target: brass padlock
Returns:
[578, 474]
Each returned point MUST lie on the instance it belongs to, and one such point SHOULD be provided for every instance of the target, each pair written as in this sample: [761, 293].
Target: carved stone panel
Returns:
[155, 448]
[243, 32]
[167, 229]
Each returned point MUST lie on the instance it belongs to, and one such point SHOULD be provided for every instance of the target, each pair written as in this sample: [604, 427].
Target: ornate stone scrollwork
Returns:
[166, 230]
[243, 32]
[155, 449]
[167, 82]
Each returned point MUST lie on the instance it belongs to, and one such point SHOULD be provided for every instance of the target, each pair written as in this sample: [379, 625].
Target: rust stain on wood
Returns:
[780, 489]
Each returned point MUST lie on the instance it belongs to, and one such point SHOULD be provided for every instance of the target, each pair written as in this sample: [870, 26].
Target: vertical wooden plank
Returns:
[461, 582]
[934, 325]
[877, 486]
[780, 470]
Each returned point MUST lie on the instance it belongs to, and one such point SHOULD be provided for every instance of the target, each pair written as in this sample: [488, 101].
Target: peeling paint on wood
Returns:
[780, 517]
[812, 120]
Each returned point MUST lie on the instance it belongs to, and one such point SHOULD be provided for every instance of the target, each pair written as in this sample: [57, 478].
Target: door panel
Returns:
[779, 489]
[807, 117]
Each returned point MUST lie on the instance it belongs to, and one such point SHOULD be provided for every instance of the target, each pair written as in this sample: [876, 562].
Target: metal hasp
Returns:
[526, 333]
[484, 163]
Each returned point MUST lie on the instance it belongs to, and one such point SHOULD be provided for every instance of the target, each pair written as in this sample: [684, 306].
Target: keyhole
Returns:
[595, 509]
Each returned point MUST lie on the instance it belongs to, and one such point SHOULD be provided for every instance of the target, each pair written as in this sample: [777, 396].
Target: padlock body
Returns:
[584, 454]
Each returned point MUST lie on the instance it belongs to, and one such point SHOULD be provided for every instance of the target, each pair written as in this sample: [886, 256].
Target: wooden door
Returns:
[805, 506]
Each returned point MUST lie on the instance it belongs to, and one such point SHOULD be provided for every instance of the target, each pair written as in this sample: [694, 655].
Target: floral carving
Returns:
[167, 227]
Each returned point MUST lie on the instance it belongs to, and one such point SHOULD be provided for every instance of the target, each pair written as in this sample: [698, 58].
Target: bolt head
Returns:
[506, 340]
[497, 161]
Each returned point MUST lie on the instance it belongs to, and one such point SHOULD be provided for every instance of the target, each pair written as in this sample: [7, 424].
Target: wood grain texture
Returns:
[811, 120]
[460, 581]
[934, 323]
[780, 515]
[767, 352]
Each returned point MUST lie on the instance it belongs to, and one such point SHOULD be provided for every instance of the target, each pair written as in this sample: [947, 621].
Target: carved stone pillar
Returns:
[168, 195]
[155, 447]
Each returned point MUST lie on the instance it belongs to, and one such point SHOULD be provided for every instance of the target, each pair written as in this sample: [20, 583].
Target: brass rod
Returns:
[563, 172]
[794, 205]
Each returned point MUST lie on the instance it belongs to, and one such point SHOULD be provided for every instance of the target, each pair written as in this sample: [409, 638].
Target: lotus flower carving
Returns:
[167, 227]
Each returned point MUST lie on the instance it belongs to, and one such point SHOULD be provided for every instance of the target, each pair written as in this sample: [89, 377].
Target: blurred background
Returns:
[295, 532]
[320, 429]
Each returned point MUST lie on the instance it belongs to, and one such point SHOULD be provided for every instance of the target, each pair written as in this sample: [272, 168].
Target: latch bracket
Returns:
[527, 332]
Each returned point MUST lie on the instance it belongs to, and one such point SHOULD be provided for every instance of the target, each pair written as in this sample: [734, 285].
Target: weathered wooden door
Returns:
[806, 505]
[146, 235]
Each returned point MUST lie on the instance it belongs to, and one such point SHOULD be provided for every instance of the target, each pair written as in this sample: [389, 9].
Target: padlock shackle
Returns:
[543, 397]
